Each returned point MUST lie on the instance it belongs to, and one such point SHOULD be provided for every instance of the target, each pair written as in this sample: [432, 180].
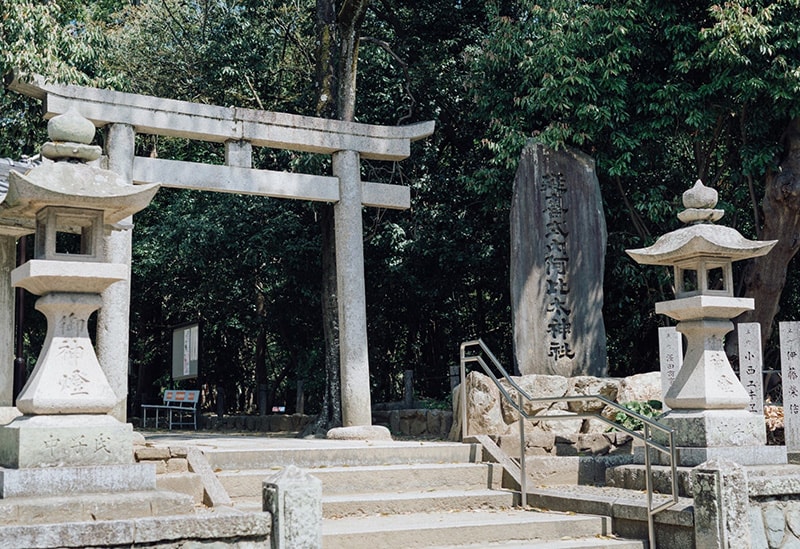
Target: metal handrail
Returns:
[646, 436]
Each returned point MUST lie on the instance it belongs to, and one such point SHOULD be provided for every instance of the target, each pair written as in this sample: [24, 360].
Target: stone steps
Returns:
[305, 454]
[393, 478]
[674, 527]
[409, 494]
[384, 503]
[505, 528]
[595, 542]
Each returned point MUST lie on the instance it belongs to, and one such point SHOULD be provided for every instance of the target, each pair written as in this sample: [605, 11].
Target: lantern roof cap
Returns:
[700, 240]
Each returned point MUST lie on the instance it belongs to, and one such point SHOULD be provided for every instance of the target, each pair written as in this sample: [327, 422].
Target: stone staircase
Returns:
[410, 494]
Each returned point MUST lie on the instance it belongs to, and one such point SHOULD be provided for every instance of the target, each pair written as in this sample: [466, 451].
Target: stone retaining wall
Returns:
[265, 424]
[775, 522]
[415, 422]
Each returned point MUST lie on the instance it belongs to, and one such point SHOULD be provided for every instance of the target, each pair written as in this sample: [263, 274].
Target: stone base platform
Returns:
[692, 456]
[45, 481]
[701, 435]
[93, 507]
[220, 529]
[712, 428]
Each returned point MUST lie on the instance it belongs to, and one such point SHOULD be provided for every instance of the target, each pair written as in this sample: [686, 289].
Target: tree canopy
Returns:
[660, 94]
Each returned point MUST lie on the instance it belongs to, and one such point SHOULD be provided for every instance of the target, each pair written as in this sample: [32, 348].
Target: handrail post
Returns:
[523, 474]
[651, 532]
[463, 391]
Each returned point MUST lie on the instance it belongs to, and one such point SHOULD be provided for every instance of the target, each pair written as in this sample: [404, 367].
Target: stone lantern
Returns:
[708, 402]
[70, 204]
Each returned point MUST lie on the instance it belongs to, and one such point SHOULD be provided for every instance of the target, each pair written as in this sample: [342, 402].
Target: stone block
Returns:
[640, 388]
[536, 386]
[177, 465]
[590, 385]
[214, 493]
[178, 451]
[161, 466]
[710, 428]
[280, 423]
[146, 453]
[31, 482]
[295, 500]
[594, 444]
[484, 412]
[184, 483]
[65, 441]
[562, 427]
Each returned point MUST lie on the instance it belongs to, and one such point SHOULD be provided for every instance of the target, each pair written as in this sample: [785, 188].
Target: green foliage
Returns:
[647, 408]
[659, 93]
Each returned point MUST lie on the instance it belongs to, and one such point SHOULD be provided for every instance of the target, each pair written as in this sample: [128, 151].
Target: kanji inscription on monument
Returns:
[670, 351]
[751, 364]
[790, 370]
[558, 237]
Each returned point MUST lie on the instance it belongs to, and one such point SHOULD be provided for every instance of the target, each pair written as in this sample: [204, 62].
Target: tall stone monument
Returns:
[709, 406]
[558, 242]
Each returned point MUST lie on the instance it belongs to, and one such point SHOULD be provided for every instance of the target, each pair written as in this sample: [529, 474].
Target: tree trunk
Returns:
[765, 277]
[337, 58]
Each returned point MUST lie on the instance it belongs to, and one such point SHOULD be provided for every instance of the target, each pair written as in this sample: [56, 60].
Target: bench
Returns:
[181, 407]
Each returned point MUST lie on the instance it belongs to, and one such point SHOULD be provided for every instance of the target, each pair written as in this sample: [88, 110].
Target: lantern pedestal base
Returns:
[67, 440]
[700, 435]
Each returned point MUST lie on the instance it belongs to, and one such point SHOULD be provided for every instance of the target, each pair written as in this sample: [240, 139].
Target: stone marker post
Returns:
[751, 364]
[670, 352]
[721, 505]
[295, 500]
[790, 374]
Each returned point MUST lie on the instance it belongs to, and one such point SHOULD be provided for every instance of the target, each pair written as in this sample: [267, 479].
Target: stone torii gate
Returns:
[239, 129]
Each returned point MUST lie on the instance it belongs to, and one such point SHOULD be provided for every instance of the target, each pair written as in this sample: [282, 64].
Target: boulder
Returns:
[484, 412]
[561, 427]
[590, 385]
[536, 386]
[637, 388]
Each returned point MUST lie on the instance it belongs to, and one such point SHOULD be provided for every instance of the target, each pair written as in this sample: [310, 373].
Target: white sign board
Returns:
[751, 364]
[185, 351]
[790, 372]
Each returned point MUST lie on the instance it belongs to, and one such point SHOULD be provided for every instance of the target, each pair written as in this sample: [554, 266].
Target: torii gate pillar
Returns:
[356, 404]
[113, 319]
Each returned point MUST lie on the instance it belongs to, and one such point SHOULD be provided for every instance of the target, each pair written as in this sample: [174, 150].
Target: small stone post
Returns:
[751, 364]
[408, 388]
[295, 500]
[721, 505]
[670, 350]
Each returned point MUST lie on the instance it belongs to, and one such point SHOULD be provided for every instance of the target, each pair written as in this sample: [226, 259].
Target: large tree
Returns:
[661, 94]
